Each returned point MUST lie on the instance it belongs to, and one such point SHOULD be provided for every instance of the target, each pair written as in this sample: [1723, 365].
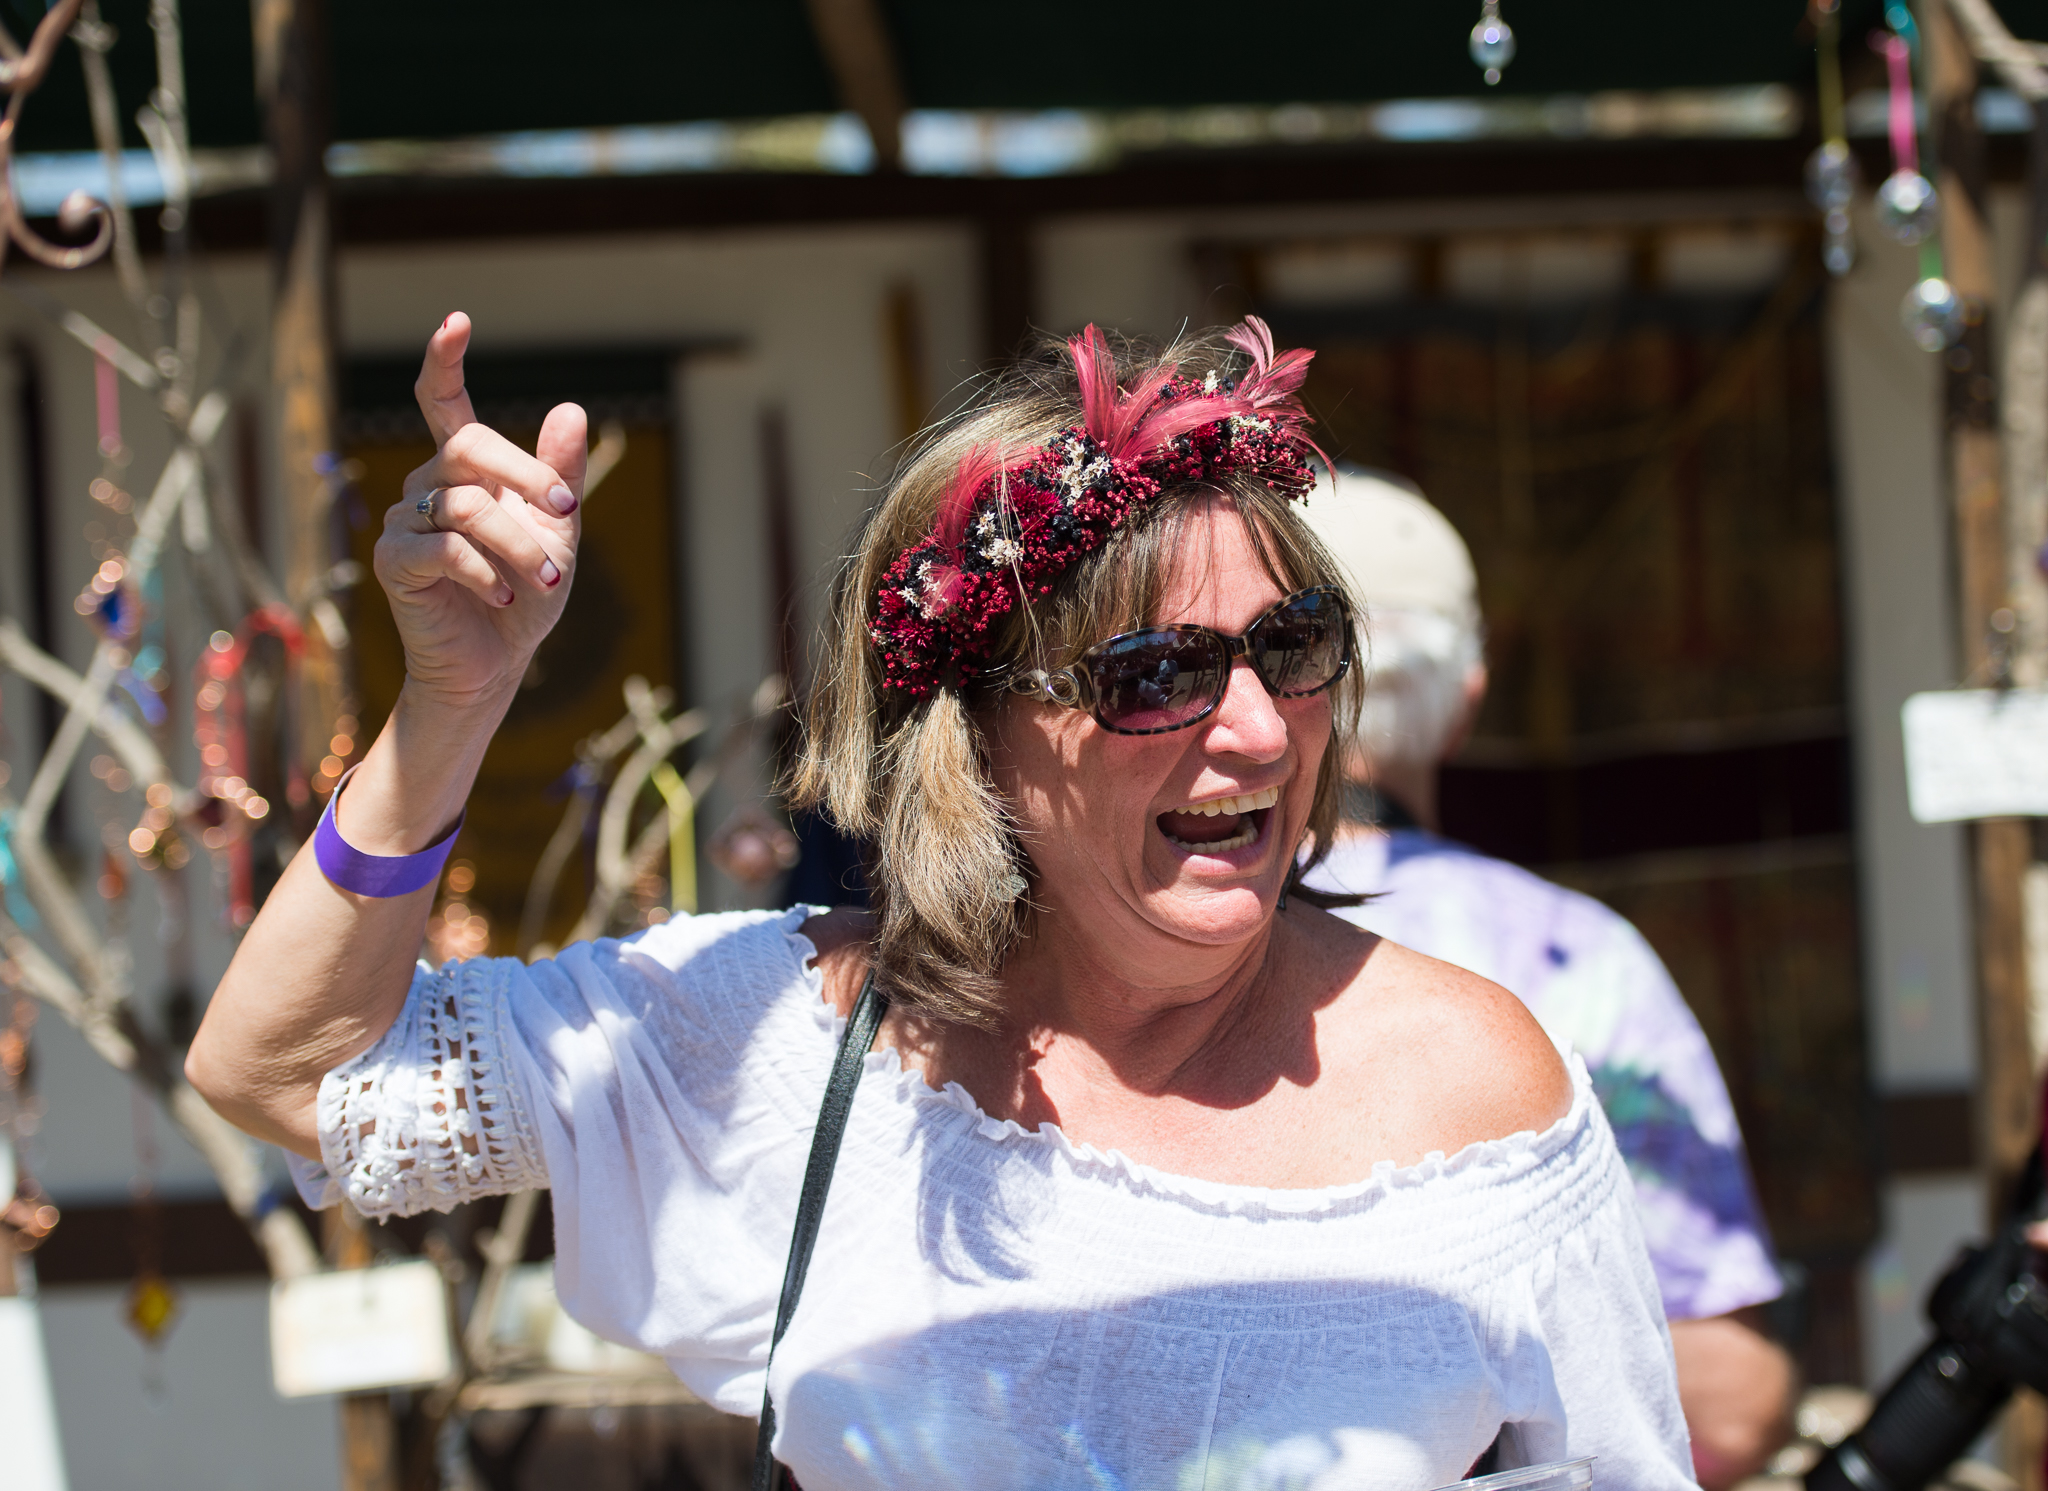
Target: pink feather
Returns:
[1273, 380]
[1097, 369]
[1254, 338]
[1134, 424]
[942, 588]
[1277, 388]
[1120, 441]
[956, 503]
[1182, 416]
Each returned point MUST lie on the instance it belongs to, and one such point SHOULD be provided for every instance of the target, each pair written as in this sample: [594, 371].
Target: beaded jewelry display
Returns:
[1009, 526]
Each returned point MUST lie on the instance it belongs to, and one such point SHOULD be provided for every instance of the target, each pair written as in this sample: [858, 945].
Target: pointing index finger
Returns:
[441, 392]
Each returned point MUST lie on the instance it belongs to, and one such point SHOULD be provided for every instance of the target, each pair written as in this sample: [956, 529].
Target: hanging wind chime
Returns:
[1493, 42]
[1831, 175]
[220, 728]
[1908, 207]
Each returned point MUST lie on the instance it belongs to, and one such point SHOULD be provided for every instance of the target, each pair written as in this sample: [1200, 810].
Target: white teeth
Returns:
[1246, 835]
[1249, 802]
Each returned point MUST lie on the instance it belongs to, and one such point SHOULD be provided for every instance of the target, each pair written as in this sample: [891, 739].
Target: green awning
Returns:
[427, 69]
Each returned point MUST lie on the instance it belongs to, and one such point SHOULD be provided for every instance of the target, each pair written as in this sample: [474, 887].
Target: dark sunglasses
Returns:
[1165, 678]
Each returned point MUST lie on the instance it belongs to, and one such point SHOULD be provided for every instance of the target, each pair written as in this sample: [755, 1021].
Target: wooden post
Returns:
[1008, 275]
[292, 82]
[2024, 411]
[2000, 848]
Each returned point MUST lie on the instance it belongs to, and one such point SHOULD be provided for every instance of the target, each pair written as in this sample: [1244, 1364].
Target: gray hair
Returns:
[1418, 666]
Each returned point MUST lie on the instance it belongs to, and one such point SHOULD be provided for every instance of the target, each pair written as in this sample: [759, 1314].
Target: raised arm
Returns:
[474, 583]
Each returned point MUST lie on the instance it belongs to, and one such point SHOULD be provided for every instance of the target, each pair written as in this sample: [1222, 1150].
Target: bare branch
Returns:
[116, 1038]
[92, 994]
[94, 37]
[128, 740]
[2018, 62]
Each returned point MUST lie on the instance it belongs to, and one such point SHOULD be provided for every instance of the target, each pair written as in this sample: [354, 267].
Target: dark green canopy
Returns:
[439, 68]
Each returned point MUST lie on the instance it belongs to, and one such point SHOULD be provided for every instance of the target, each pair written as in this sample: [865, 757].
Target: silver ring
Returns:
[425, 508]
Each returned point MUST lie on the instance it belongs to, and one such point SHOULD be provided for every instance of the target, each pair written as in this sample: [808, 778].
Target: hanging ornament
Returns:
[107, 401]
[1908, 208]
[152, 1305]
[1493, 42]
[1831, 185]
[1831, 175]
[220, 729]
[1932, 313]
[152, 1308]
[25, 1209]
[13, 900]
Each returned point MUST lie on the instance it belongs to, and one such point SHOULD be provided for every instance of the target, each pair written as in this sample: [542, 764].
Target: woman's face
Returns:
[1106, 818]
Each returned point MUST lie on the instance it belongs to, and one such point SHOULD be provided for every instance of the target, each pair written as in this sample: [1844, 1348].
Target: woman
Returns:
[1145, 1179]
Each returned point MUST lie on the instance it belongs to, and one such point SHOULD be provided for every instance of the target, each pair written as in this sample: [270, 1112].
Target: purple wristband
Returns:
[377, 875]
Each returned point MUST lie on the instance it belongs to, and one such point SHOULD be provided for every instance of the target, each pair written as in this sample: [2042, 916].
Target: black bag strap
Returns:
[861, 1027]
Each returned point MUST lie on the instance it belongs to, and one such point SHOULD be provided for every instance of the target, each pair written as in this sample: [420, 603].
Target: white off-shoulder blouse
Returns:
[990, 1307]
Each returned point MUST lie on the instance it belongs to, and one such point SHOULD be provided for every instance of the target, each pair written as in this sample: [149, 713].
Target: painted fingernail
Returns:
[504, 595]
[561, 499]
[445, 320]
[548, 573]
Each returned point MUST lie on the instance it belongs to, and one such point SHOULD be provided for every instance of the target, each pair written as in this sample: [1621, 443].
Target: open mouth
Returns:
[1222, 825]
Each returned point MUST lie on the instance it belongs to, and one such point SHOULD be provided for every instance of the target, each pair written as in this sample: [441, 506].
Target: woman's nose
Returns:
[1247, 722]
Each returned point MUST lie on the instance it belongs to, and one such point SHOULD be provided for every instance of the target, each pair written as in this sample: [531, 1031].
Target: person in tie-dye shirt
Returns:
[1586, 974]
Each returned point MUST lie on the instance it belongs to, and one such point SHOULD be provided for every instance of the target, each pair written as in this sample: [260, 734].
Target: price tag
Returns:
[364, 1328]
[1977, 753]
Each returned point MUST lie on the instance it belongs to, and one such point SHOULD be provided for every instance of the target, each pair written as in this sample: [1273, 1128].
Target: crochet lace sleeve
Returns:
[431, 1116]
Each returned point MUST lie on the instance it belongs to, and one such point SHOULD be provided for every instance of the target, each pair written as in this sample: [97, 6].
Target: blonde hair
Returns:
[909, 779]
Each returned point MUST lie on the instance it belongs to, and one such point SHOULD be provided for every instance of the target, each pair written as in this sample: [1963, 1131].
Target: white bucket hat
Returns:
[1398, 552]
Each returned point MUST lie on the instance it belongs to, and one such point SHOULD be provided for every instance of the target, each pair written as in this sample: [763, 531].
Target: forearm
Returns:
[1737, 1388]
[323, 972]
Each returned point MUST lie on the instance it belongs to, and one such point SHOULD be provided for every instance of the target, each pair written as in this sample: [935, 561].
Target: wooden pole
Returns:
[292, 82]
[2024, 411]
[1999, 848]
[292, 87]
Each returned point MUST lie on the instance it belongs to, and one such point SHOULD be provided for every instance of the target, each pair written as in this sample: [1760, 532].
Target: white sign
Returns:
[1977, 753]
[348, 1332]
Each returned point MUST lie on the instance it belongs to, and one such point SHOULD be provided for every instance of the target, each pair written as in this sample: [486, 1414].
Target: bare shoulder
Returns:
[843, 938]
[1451, 1058]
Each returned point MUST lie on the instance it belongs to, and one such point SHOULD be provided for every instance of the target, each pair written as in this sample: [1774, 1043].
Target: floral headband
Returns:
[1008, 528]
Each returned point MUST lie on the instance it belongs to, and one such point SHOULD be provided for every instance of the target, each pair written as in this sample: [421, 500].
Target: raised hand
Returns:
[478, 554]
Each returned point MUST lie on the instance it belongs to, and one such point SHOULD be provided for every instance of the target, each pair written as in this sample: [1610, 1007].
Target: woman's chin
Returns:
[1213, 917]
[1212, 900]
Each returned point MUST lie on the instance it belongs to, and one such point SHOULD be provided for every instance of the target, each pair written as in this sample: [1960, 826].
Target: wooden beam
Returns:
[1976, 460]
[863, 62]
